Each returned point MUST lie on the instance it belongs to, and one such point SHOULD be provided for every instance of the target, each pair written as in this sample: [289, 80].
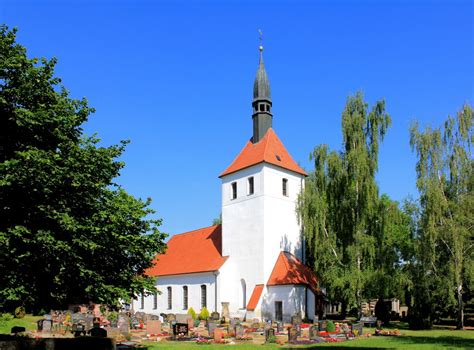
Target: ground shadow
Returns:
[442, 342]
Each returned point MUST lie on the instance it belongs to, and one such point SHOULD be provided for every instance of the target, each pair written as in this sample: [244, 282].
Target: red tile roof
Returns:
[257, 292]
[269, 150]
[191, 252]
[289, 269]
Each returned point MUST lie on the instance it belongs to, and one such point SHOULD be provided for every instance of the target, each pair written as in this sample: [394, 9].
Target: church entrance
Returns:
[278, 310]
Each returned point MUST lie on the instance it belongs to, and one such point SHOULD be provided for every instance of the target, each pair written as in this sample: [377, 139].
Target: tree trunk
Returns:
[460, 320]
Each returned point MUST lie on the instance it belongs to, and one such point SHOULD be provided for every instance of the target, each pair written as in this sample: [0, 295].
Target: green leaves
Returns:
[68, 233]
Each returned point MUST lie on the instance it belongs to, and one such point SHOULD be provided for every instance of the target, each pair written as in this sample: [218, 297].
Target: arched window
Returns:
[170, 298]
[203, 296]
[244, 293]
[185, 297]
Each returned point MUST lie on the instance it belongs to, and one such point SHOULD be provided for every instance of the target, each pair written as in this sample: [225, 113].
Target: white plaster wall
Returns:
[282, 231]
[293, 298]
[176, 282]
[242, 237]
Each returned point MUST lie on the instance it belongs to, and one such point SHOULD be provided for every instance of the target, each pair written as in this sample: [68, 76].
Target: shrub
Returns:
[271, 339]
[20, 312]
[192, 313]
[204, 315]
[382, 312]
[331, 327]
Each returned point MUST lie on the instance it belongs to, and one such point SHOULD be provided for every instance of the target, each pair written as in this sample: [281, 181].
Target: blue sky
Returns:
[176, 78]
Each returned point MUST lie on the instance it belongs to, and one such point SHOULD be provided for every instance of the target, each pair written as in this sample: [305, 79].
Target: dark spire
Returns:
[262, 103]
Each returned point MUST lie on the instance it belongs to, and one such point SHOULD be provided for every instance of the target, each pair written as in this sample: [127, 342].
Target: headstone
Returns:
[89, 321]
[190, 322]
[154, 317]
[279, 326]
[182, 318]
[292, 335]
[123, 324]
[298, 329]
[313, 332]
[269, 333]
[180, 329]
[98, 332]
[239, 331]
[218, 334]
[357, 329]
[153, 327]
[323, 325]
[316, 319]
[296, 319]
[379, 324]
[47, 325]
[170, 318]
[211, 326]
[225, 310]
[113, 332]
[215, 316]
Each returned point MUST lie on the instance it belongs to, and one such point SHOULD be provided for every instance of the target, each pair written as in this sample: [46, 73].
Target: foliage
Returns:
[204, 315]
[64, 223]
[20, 312]
[192, 313]
[445, 180]
[217, 221]
[271, 339]
[331, 327]
[339, 204]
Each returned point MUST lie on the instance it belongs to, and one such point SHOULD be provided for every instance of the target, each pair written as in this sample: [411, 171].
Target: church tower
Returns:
[259, 195]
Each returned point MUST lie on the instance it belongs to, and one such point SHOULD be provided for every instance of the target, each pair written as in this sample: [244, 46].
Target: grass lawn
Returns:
[29, 322]
[433, 339]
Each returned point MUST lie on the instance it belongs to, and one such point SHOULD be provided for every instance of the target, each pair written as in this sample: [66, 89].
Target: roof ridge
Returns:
[194, 231]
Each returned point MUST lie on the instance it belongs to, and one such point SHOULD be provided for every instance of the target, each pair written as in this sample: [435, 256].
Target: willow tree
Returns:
[339, 201]
[445, 180]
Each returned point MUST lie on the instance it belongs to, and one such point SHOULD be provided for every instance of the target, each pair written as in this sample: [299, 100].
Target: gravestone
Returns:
[296, 319]
[239, 331]
[269, 333]
[292, 335]
[153, 327]
[313, 332]
[170, 318]
[357, 329]
[218, 334]
[323, 325]
[190, 322]
[211, 326]
[182, 318]
[225, 310]
[316, 319]
[89, 318]
[180, 329]
[279, 326]
[123, 324]
[154, 317]
[113, 332]
[215, 316]
[298, 329]
[47, 325]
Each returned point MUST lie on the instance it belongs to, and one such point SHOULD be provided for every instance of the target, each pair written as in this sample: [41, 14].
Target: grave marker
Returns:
[218, 334]
[180, 329]
[292, 335]
[313, 332]
[153, 327]
[269, 333]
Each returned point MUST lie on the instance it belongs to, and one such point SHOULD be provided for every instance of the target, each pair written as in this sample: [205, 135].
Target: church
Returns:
[252, 265]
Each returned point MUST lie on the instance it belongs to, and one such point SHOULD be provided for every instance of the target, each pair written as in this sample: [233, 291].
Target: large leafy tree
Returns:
[445, 180]
[340, 200]
[68, 233]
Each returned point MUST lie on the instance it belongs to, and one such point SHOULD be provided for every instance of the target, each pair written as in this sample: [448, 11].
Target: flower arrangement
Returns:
[203, 341]
[244, 337]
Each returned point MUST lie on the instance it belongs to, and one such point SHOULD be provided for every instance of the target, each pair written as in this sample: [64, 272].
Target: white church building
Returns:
[250, 266]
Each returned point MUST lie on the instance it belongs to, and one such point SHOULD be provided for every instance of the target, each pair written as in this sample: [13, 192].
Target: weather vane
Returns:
[260, 36]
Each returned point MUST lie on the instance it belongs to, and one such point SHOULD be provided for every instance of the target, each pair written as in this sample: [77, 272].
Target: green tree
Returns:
[445, 180]
[68, 233]
[339, 201]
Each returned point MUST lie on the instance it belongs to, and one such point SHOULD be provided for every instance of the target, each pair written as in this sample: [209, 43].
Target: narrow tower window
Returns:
[234, 190]
[185, 297]
[142, 301]
[250, 185]
[284, 184]
[203, 296]
[244, 293]
[170, 298]
[155, 301]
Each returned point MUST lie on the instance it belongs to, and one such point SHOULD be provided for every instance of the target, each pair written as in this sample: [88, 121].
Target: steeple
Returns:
[262, 103]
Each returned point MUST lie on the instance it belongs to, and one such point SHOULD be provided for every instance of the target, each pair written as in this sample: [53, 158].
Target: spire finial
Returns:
[260, 37]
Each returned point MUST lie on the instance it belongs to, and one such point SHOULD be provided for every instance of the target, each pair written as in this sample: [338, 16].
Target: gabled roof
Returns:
[257, 292]
[191, 252]
[269, 150]
[289, 269]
